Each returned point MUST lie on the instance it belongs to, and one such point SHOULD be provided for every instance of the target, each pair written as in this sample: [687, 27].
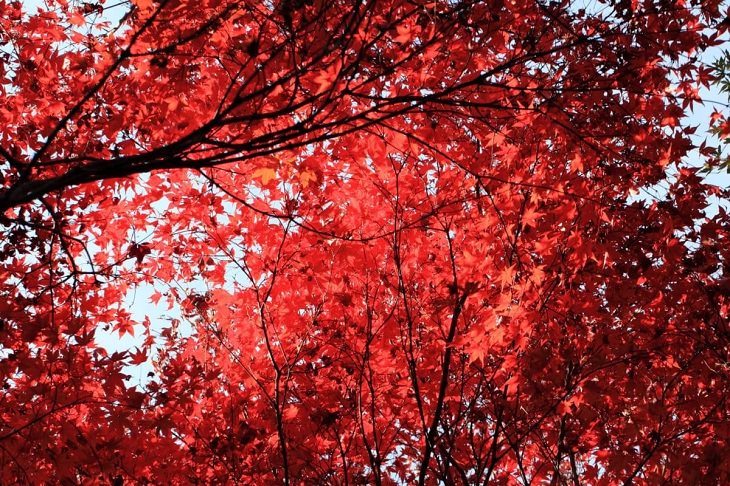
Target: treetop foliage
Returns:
[400, 242]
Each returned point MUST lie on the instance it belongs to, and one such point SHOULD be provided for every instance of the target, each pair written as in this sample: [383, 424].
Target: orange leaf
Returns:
[307, 176]
[266, 174]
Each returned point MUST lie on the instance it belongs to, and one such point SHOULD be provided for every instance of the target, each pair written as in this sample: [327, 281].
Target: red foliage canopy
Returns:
[444, 242]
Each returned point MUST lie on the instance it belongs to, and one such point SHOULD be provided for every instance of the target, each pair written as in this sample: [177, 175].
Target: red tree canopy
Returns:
[445, 242]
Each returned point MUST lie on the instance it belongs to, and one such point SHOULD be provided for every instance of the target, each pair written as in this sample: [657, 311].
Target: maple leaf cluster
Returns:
[444, 242]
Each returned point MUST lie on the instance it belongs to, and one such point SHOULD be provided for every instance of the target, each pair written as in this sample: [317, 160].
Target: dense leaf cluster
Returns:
[399, 242]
